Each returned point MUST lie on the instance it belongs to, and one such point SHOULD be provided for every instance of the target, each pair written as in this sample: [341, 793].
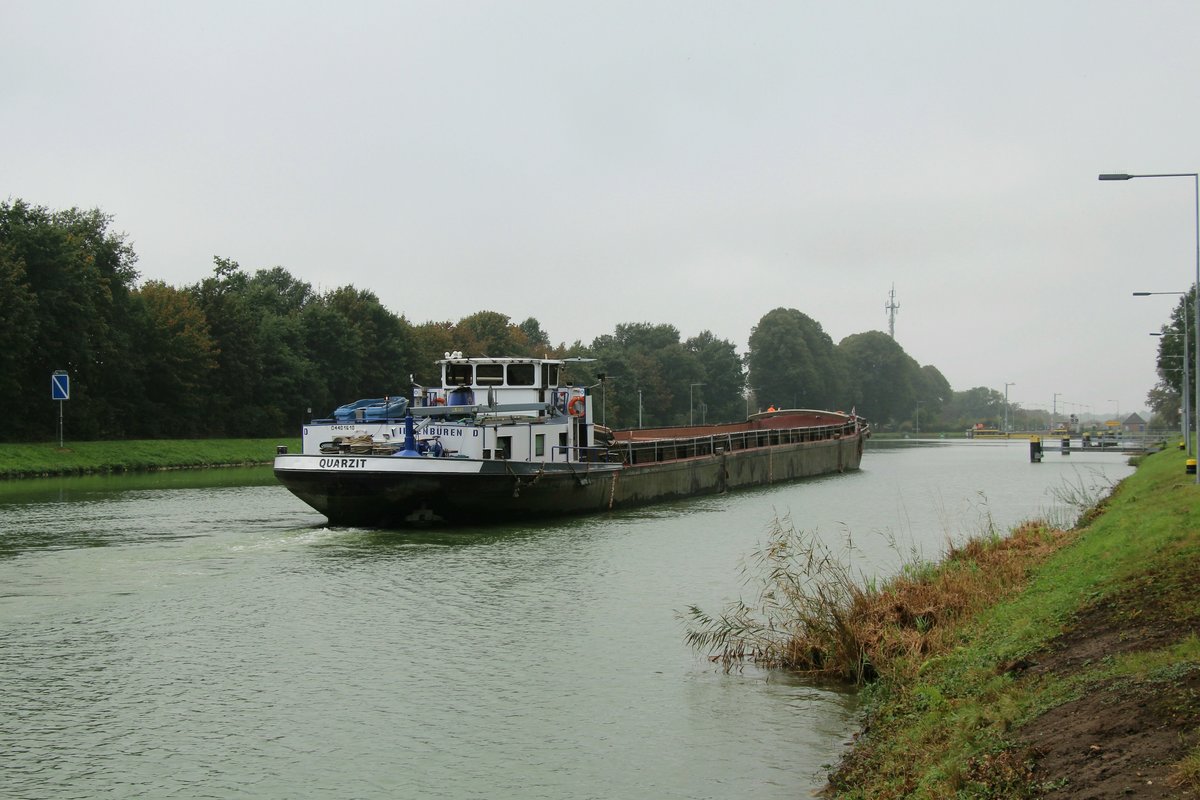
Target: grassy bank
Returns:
[77, 458]
[1041, 664]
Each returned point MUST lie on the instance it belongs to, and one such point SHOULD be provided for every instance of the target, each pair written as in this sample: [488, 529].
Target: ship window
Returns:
[520, 374]
[504, 447]
[458, 375]
[539, 444]
[550, 375]
[489, 374]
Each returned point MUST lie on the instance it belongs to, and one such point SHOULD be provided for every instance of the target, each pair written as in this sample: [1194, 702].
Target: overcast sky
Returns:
[688, 163]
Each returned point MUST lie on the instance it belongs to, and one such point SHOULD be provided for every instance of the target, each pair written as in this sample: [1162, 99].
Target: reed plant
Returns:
[812, 613]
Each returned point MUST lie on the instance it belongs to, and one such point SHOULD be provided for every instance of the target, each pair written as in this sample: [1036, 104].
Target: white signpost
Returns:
[60, 390]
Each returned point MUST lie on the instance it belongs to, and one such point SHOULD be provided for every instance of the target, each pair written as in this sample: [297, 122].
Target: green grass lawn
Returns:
[33, 460]
[1102, 625]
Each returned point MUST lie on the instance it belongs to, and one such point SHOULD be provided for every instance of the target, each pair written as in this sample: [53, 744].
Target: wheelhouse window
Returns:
[520, 375]
[489, 374]
[550, 375]
[459, 375]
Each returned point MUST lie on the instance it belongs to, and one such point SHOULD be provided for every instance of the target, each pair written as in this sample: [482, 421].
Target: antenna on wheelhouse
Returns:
[891, 309]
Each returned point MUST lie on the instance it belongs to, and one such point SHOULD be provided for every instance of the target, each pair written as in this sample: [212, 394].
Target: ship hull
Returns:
[383, 491]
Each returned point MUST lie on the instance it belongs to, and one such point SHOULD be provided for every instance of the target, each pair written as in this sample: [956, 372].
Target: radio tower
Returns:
[892, 308]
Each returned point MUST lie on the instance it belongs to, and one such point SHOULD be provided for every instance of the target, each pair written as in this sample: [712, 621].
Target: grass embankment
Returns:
[78, 458]
[1042, 664]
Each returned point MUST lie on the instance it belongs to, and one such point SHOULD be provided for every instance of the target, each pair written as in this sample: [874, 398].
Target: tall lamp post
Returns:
[1195, 176]
[690, 415]
[1184, 383]
[1006, 405]
[1187, 405]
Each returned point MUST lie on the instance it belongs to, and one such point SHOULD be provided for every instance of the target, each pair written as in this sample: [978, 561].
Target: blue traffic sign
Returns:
[60, 386]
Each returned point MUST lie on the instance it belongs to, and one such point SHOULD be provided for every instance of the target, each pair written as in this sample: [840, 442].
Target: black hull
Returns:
[512, 491]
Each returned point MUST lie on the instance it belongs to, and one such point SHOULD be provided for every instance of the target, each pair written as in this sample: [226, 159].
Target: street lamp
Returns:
[1187, 417]
[692, 386]
[603, 396]
[1006, 405]
[1187, 404]
[1121, 176]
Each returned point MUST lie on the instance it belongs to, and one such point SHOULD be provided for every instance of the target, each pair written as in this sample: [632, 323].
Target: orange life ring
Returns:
[576, 407]
[441, 401]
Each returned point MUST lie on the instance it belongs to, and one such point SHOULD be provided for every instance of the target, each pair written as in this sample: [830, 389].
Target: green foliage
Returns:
[66, 281]
[977, 405]
[490, 333]
[792, 363]
[885, 380]
[248, 353]
[722, 396]
[1166, 398]
[19, 326]
[699, 380]
[177, 358]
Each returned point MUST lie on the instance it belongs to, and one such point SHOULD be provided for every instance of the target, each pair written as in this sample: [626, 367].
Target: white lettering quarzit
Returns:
[342, 463]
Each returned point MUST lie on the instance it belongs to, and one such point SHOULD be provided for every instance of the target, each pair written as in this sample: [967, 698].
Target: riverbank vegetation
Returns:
[36, 460]
[253, 354]
[1044, 663]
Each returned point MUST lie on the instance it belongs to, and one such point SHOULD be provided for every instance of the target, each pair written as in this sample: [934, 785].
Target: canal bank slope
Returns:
[81, 458]
[1083, 684]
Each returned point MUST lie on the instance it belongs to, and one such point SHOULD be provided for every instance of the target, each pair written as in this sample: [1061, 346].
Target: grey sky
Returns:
[672, 162]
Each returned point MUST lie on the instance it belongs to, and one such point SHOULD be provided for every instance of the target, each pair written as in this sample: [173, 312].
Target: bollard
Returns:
[1087, 441]
[1182, 446]
[1066, 445]
[1035, 449]
[1191, 466]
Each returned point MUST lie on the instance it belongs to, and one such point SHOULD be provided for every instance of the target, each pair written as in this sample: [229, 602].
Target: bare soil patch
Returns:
[1122, 738]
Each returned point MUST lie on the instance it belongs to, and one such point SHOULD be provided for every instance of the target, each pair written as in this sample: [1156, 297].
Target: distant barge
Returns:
[506, 439]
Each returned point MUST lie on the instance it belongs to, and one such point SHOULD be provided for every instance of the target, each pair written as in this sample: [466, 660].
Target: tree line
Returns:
[255, 353]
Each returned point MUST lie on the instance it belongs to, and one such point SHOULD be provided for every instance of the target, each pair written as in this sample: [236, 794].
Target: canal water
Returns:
[203, 634]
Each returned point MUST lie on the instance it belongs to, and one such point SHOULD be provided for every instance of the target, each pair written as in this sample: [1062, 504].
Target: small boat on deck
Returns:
[505, 439]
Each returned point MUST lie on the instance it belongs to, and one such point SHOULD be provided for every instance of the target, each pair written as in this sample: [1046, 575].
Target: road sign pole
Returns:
[60, 390]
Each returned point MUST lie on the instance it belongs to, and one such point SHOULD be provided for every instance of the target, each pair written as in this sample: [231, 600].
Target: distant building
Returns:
[1134, 424]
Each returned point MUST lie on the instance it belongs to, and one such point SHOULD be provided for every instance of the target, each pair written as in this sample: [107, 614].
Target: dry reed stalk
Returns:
[814, 615]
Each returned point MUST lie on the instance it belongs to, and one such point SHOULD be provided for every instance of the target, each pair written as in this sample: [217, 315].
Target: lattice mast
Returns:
[891, 309]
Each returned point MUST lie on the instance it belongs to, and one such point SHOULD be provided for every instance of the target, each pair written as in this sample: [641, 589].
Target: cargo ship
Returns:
[508, 439]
